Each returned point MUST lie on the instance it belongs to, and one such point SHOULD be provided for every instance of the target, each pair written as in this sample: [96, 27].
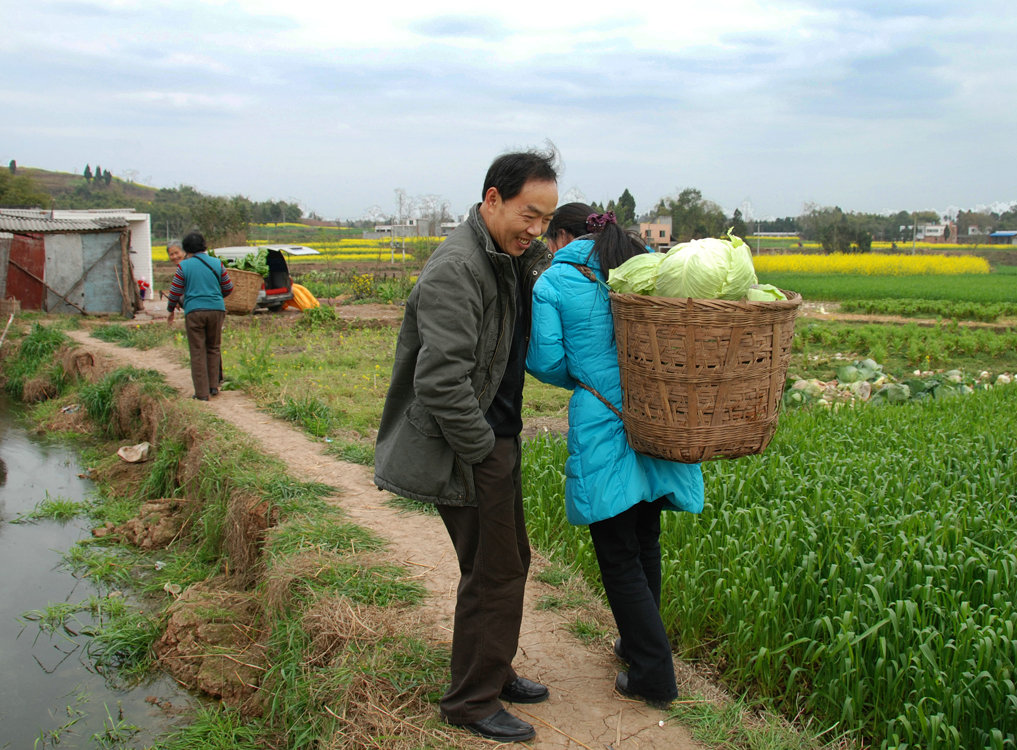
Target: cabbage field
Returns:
[863, 570]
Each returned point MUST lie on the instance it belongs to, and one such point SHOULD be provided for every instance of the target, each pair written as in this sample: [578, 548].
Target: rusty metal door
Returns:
[27, 260]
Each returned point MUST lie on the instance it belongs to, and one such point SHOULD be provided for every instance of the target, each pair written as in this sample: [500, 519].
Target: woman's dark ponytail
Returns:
[613, 244]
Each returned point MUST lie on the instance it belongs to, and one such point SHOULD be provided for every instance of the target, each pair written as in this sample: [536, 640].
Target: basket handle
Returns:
[603, 400]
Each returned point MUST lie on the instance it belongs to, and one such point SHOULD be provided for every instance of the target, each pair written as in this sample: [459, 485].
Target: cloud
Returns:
[459, 27]
[337, 106]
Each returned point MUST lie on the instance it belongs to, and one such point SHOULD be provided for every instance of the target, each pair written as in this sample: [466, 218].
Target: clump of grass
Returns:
[34, 356]
[587, 631]
[556, 574]
[321, 532]
[313, 414]
[134, 335]
[561, 600]
[161, 480]
[353, 679]
[53, 617]
[101, 564]
[321, 317]
[381, 585]
[183, 566]
[406, 505]
[54, 509]
[353, 451]
[123, 644]
[216, 728]
[99, 398]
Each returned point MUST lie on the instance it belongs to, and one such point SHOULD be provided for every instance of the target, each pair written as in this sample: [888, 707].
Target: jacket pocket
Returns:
[423, 420]
[463, 478]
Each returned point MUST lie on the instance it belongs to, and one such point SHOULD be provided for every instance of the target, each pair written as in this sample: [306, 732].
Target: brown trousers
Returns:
[204, 337]
[494, 557]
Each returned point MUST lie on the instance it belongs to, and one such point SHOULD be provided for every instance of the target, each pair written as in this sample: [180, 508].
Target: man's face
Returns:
[176, 254]
[515, 223]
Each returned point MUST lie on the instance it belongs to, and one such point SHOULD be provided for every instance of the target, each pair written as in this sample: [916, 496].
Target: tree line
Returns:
[694, 217]
[175, 211]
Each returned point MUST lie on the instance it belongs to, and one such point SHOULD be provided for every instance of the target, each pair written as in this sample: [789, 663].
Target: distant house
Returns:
[446, 227]
[1004, 237]
[74, 261]
[944, 232]
[657, 233]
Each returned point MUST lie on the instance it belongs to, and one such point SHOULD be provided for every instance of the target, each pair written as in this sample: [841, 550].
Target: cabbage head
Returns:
[707, 269]
[637, 275]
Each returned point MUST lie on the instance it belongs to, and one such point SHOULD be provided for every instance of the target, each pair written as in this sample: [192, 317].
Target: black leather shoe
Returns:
[502, 726]
[618, 653]
[521, 690]
[621, 684]
[213, 391]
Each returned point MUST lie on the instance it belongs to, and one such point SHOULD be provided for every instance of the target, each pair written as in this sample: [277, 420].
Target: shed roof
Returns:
[30, 220]
[1004, 233]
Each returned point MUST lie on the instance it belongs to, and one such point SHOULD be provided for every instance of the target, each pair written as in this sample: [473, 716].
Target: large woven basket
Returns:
[246, 285]
[702, 379]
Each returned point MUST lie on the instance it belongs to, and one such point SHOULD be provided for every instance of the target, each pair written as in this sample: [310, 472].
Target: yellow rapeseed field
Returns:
[869, 264]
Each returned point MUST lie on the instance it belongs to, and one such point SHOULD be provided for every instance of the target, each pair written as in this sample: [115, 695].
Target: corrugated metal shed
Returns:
[13, 220]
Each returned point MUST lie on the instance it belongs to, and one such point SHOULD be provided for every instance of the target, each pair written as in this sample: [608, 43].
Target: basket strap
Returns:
[218, 280]
[587, 272]
[603, 400]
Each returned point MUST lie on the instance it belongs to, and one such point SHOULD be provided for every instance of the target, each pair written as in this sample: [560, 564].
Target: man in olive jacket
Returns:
[449, 431]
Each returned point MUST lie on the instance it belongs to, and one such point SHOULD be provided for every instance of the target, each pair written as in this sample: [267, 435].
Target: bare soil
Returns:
[583, 711]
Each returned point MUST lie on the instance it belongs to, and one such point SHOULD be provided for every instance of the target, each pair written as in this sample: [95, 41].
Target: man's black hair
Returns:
[194, 243]
[509, 172]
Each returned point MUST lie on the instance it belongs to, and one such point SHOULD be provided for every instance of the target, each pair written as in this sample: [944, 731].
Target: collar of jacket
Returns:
[536, 253]
[580, 251]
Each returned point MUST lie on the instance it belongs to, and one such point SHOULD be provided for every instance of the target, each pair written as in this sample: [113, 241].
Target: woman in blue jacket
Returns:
[617, 492]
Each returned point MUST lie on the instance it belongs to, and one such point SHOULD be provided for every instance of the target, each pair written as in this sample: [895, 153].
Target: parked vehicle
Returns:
[278, 286]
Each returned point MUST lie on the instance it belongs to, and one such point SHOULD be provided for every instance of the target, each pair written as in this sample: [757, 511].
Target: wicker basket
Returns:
[246, 285]
[702, 379]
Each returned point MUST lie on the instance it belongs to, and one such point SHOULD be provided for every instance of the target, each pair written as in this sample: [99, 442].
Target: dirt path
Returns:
[583, 711]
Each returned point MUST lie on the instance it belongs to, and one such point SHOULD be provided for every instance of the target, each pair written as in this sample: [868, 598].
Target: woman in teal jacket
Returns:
[619, 493]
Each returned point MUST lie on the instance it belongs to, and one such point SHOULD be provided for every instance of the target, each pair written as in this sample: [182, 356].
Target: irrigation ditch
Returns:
[277, 581]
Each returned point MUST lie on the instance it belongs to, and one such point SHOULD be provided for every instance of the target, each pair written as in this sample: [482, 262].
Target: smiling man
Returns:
[449, 432]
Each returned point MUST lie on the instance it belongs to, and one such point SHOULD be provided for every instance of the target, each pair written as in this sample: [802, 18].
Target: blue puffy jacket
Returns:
[572, 339]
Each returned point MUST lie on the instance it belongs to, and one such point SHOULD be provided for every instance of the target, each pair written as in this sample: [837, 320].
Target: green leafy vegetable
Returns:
[256, 261]
[764, 293]
[707, 269]
[637, 275]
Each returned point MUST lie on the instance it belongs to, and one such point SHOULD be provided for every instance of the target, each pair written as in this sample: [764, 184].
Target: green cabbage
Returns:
[706, 269]
[637, 275]
[764, 293]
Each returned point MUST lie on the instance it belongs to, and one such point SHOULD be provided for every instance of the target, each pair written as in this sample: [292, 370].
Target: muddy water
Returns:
[49, 694]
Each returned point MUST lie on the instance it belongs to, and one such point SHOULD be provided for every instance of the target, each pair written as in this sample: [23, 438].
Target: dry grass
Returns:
[373, 711]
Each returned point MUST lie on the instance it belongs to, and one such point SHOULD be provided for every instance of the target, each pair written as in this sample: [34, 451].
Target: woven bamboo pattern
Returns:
[246, 285]
[702, 379]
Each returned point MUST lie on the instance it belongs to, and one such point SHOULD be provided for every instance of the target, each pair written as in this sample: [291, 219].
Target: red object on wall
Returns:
[28, 253]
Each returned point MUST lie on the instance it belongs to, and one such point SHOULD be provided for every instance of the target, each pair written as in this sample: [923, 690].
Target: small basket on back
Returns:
[246, 285]
[702, 379]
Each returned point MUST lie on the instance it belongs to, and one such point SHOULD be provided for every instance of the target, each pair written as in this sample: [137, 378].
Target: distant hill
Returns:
[174, 211]
[74, 191]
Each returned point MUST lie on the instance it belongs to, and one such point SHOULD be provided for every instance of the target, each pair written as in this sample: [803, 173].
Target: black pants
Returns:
[494, 557]
[628, 551]
[204, 337]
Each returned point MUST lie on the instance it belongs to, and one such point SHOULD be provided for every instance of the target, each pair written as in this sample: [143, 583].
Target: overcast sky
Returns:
[872, 106]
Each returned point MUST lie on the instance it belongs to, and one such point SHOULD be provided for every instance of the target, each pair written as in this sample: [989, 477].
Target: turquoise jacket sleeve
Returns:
[545, 359]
